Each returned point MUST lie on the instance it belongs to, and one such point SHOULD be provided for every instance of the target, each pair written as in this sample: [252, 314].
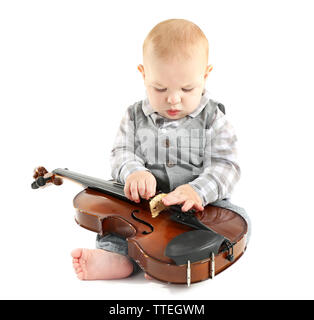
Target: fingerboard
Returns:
[110, 187]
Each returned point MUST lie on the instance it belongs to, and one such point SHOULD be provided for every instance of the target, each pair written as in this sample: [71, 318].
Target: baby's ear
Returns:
[140, 68]
[209, 68]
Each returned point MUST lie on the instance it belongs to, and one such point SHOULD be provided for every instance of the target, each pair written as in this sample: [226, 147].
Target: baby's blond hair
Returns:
[175, 38]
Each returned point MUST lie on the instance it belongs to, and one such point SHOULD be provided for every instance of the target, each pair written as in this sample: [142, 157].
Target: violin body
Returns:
[102, 213]
[103, 209]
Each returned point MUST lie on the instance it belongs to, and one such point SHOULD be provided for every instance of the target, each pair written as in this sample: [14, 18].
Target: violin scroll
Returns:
[42, 177]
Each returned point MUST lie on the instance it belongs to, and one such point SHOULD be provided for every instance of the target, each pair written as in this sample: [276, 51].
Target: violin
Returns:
[174, 246]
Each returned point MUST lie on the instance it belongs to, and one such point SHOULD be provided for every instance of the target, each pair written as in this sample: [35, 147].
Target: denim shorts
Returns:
[117, 244]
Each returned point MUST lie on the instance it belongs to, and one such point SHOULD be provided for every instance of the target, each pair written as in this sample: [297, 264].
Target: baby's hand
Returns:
[184, 194]
[140, 184]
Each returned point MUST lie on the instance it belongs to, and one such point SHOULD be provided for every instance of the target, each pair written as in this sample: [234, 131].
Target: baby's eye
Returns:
[187, 90]
[160, 90]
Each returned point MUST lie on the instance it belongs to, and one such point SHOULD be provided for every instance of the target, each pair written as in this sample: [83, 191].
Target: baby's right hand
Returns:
[140, 184]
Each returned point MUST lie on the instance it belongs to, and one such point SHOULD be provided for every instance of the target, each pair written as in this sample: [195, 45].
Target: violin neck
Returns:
[110, 187]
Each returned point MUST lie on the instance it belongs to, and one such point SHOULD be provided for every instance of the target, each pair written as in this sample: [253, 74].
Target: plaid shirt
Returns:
[207, 154]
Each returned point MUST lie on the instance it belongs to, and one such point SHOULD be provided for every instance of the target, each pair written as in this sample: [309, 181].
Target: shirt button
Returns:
[170, 164]
[167, 143]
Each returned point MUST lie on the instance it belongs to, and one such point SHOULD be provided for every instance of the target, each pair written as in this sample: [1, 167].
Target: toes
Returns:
[76, 265]
[80, 275]
[75, 260]
[79, 271]
[78, 262]
[77, 253]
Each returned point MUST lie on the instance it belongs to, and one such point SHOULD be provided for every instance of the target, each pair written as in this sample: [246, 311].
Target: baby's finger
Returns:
[141, 188]
[127, 191]
[198, 207]
[172, 198]
[134, 192]
[150, 188]
[188, 204]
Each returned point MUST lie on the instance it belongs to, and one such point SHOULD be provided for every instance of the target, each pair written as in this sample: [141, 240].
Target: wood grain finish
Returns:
[103, 213]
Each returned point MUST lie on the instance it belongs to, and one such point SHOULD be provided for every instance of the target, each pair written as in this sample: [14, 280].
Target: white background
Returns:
[68, 70]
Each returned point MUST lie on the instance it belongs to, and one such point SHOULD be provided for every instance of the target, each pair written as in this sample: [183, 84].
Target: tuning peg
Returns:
[57, 181]
[34, 185]
[39, 182]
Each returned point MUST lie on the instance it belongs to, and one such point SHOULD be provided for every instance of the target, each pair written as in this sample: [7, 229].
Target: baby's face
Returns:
[175, 87]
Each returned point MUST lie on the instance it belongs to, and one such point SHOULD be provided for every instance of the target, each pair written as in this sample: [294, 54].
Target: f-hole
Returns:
[143, 222]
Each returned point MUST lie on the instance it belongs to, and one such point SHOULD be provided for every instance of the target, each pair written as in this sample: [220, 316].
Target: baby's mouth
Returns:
[172, 112]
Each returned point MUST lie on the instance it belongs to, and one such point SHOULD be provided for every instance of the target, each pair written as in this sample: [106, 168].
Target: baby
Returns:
[177, 141]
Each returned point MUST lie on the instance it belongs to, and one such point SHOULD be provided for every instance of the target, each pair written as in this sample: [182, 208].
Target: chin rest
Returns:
[194, 246]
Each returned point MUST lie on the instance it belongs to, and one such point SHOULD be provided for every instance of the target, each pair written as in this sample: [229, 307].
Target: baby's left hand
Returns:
[185, 195]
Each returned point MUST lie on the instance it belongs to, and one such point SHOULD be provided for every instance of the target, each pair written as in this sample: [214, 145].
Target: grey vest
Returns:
[174, 157]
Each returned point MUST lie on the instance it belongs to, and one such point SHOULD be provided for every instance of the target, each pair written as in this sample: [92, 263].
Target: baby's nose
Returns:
[174, 99]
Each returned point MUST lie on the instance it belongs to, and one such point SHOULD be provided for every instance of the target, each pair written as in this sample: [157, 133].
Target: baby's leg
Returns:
[98, 264]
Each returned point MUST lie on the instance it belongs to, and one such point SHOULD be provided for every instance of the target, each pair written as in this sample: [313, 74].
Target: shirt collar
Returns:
[202, 104]
[148, 109]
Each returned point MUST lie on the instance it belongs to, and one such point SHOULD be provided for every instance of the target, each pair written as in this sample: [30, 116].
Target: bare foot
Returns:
[98, 264]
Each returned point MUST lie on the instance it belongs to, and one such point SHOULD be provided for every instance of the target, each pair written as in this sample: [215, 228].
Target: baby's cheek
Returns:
[191, 104]
[155, 99]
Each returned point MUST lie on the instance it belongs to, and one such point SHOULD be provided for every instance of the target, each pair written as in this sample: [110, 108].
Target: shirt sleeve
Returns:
[125, 156]
[220, 170]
